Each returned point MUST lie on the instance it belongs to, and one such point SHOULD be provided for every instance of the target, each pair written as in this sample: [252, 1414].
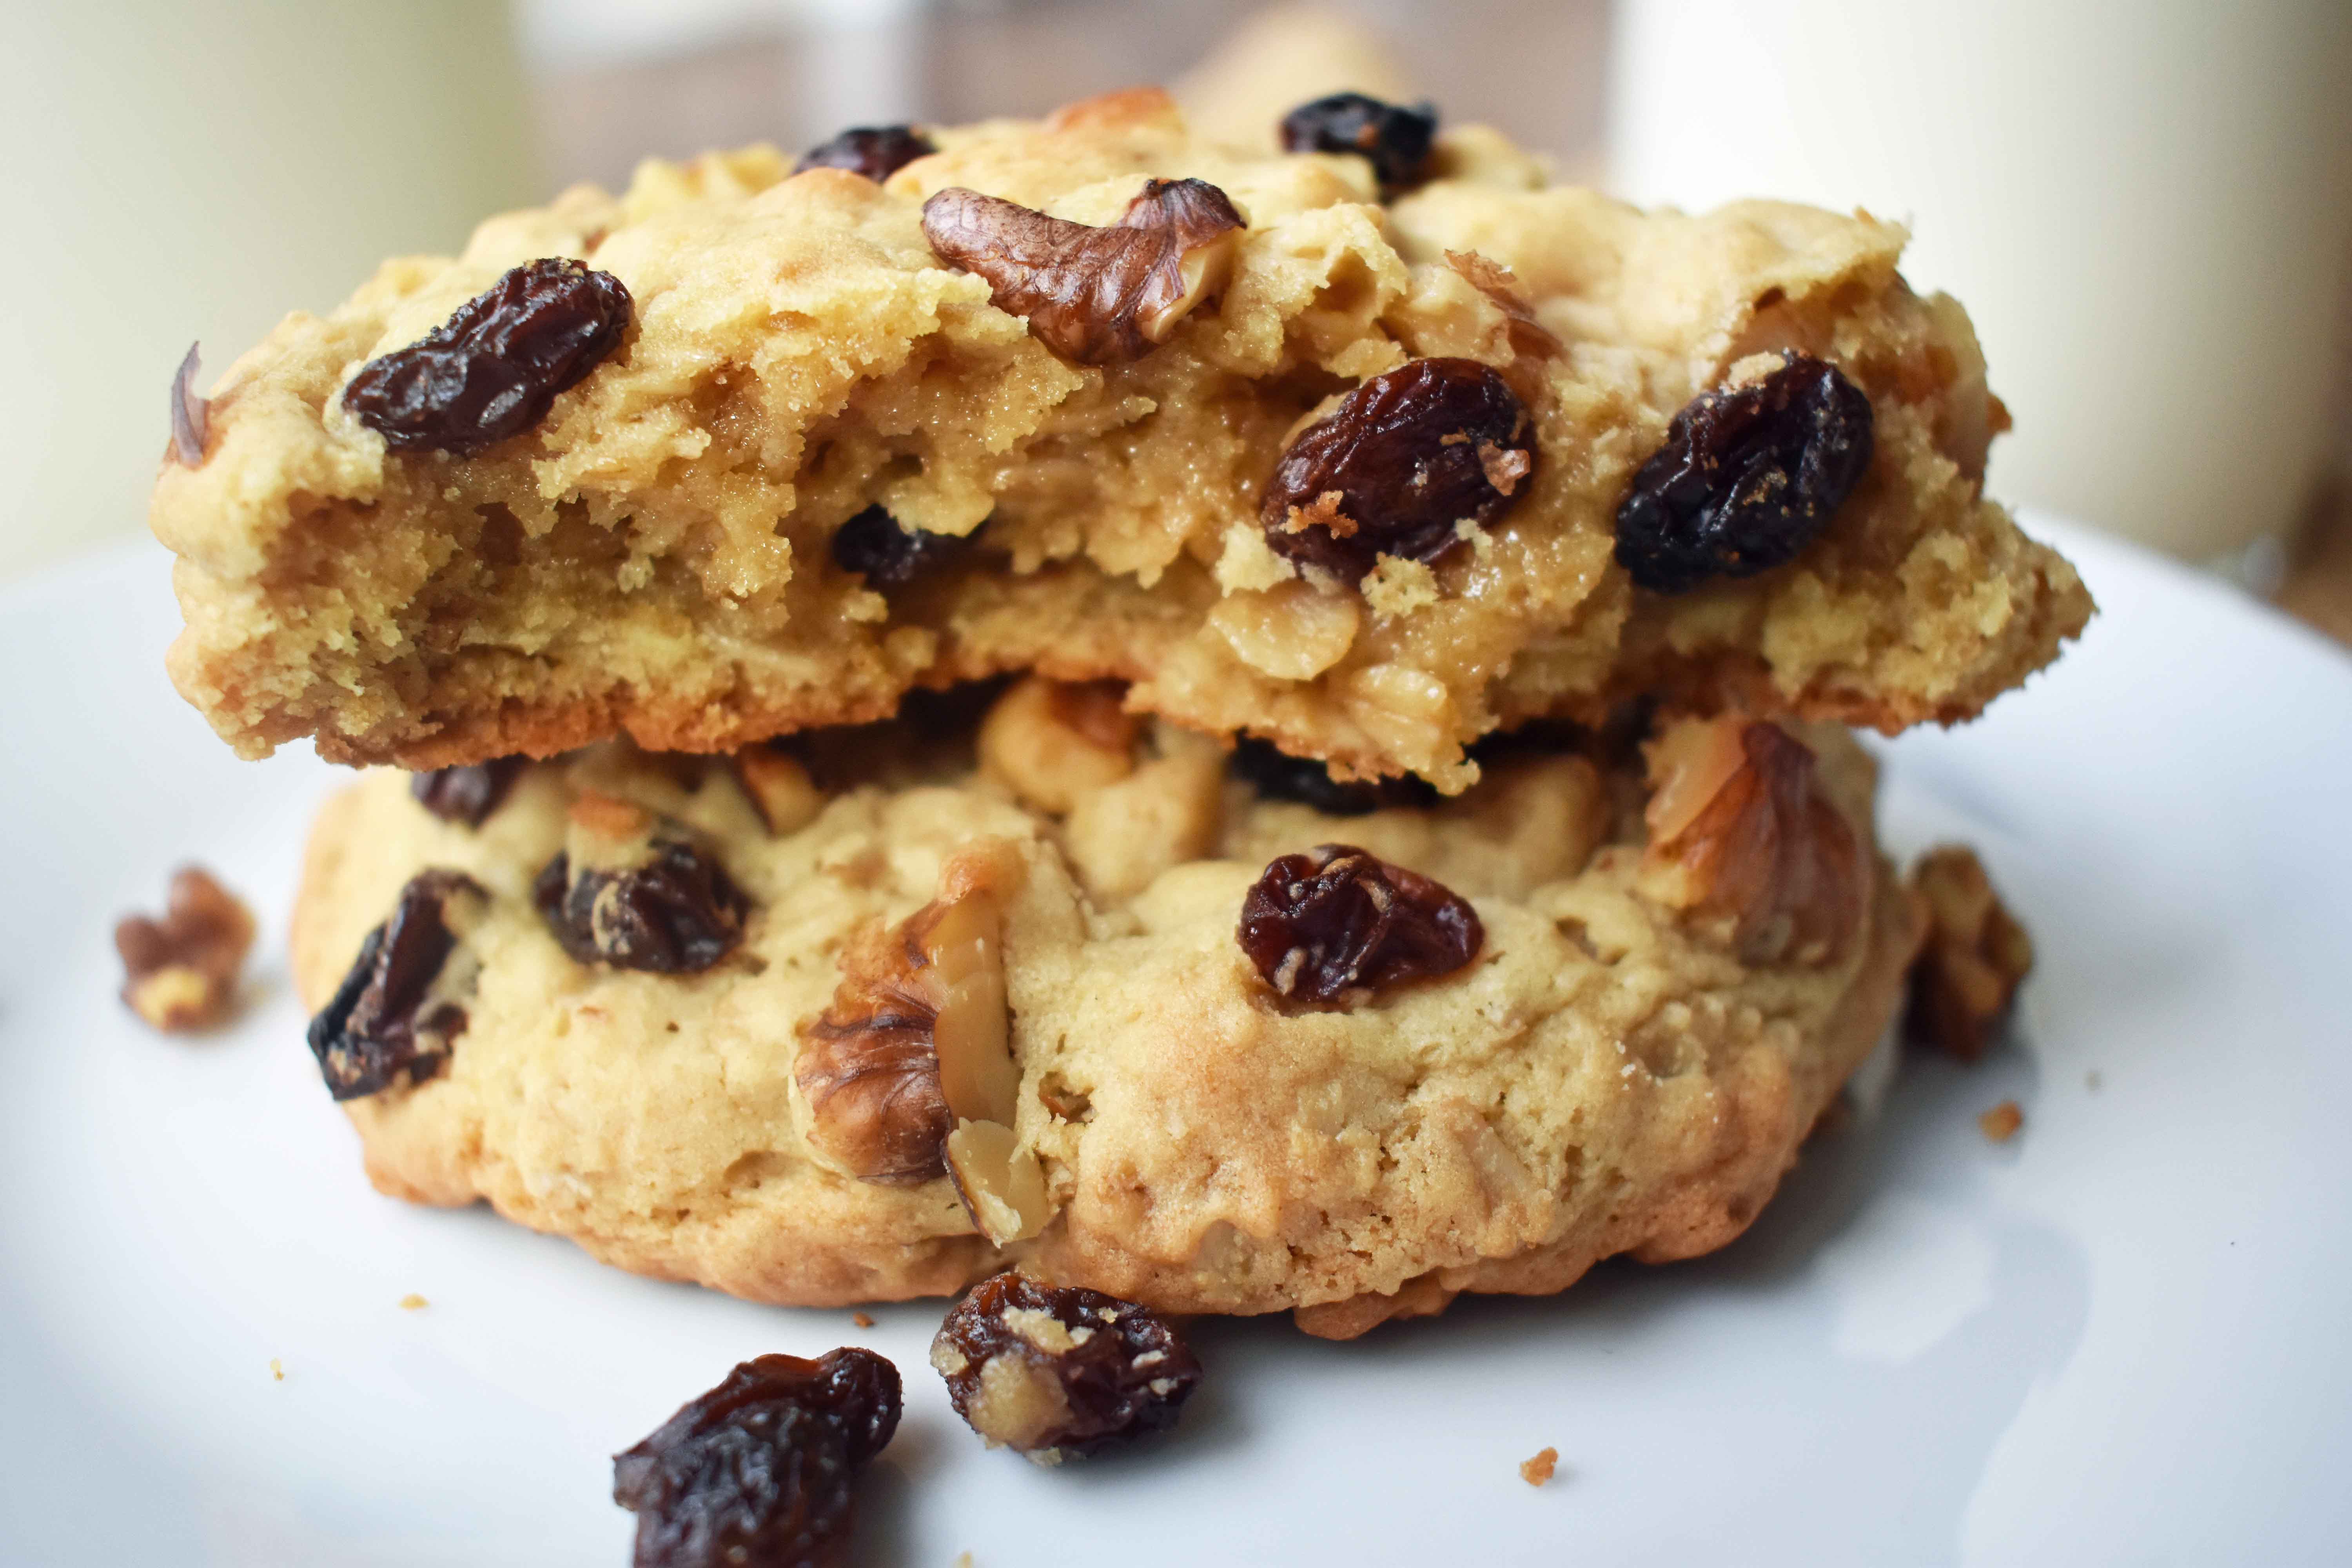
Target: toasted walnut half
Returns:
[1098, 296]
[1054, 742]
[1739, 835]
[179, 974]
[910, 1075]
[1975, 957]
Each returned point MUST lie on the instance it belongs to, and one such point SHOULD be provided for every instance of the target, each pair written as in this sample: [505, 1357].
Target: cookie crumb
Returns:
[863, 1320]
[1539, 1471]
[413, 1302]
[963, 1560]
[2091, 1080]
[277, 1370]
[2001, 1123]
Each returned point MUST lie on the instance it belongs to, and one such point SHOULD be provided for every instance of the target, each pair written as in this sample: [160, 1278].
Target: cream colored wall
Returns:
[181, 169]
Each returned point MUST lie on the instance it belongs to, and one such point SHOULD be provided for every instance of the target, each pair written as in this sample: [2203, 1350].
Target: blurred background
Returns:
[2148, 208]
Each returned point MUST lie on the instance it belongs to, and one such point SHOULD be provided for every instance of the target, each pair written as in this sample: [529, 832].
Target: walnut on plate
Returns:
[1975, 957]
[179, 974]
[1096, 296]
[1742, 838]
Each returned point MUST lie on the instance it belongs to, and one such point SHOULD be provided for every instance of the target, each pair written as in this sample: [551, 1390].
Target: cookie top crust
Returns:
[1625, 1061]
[822, 466]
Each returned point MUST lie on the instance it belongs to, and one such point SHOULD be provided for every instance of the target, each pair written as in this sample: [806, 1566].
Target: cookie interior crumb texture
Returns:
[683, 547]
[1538, 1469]
[1612, 1072]
[2001, 1123]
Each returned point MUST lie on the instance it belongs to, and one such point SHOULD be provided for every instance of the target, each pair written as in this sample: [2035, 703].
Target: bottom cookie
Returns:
[868, 1015]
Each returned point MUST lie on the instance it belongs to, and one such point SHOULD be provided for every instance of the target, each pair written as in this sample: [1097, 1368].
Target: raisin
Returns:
[1747, 478]
[876, 151]
[495, 367]
[1057, 1372]
[1277, 775]
[466, 795]
[393, 1019]
[760, 1469]
[1393, 469]
[677, 913]
[889, 554]
[1338, 921]
[1396, 139]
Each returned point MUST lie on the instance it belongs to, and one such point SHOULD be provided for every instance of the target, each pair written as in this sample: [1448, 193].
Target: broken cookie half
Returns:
[1362, 460]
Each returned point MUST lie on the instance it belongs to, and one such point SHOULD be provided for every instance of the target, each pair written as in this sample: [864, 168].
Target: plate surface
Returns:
[2119, 1338]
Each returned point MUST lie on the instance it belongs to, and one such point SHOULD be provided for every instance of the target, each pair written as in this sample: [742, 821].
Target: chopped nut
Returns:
[1975, 957]
[1098, 296]
[191, 412]
[780, 788]
[180, 973]
[1002, 1184]
[1169, 811]
[1058, 1372]
[2001, 1123]
[918, 1037]
[1535, 1471]
[1052, 743]
[1740, 837]
[1529, 338]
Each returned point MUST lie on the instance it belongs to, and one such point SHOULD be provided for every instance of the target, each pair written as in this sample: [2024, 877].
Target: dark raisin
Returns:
[1074, 1371]
[494, 367]
[1396, 139]
[1393, 469]
[1338, 921]
[1277, 775]
[1747, 478]
[391, 1019]
[469, 794]
[876, 151]
[677, 913]
[874, 543]
[761, 1468]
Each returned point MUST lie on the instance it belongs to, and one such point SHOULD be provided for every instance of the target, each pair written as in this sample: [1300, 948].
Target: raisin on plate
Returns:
[761, 1469]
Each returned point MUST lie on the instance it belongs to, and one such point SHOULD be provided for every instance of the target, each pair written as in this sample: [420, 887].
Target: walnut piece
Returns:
[1054, 743]
[1540, 1467]
[1974, 958]
[179, 974]
[910, 1074]
[1169, 811]
[1096, 296]
[778, 788]
[1741, 837]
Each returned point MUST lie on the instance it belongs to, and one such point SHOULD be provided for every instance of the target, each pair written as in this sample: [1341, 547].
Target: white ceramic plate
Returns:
[2122, 1338]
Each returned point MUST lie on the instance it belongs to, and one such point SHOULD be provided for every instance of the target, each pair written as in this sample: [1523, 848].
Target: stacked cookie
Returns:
[1250, 730]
